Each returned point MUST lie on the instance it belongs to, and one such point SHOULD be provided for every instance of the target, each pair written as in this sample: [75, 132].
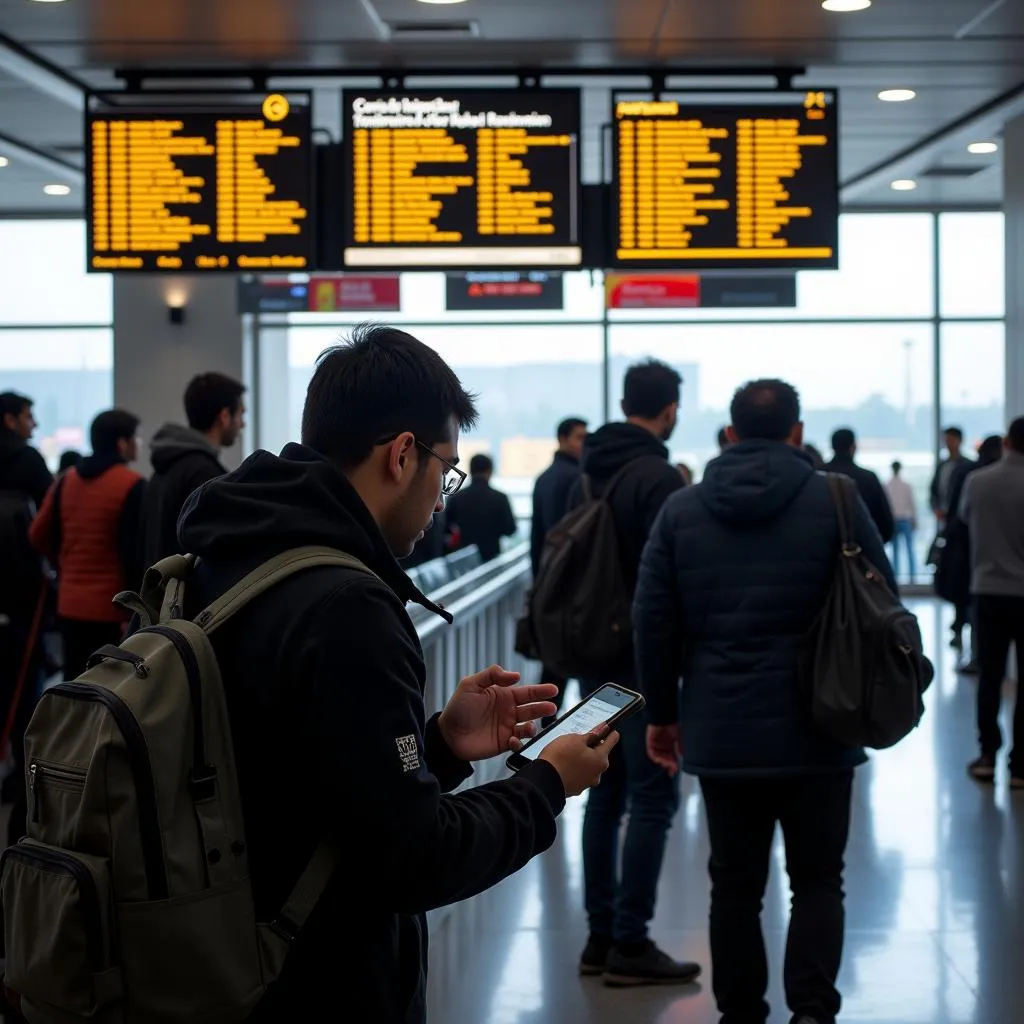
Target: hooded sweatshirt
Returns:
[736, 572]
[324, 680]
[183, 460]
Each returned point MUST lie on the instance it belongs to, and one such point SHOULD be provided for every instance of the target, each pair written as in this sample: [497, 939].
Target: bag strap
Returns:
[616, 478]
[843, 492]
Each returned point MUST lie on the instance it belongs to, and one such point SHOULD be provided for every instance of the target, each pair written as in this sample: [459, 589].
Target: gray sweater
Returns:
[993, 508]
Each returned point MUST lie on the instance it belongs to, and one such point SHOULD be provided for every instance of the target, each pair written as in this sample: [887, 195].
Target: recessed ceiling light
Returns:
[48, 1]
[903, 185]
[983, 147]
[896, 95]
[57, 190]
[4, 161]
[442, 1]
[843, 6]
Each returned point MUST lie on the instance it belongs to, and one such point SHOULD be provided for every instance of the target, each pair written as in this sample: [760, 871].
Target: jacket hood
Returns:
[754, 481]
[272, 503]
[608, 449]
[173, 442]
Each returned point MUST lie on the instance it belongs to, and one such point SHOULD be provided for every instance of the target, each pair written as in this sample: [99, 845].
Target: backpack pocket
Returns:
[57, 929]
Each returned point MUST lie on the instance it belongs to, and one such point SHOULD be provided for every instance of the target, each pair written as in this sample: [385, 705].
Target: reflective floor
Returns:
[935, 901]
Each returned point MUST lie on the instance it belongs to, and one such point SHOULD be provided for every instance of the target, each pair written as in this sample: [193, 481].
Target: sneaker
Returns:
[595, 956]
[983, 769]
[652, 966]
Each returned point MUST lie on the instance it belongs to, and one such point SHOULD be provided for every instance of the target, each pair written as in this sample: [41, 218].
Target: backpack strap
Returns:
[616, 478]
[843, 492]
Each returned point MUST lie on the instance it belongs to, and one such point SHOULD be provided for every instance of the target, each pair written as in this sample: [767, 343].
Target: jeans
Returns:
[620, 894]
[997, 622]
[905, 534]
[814, 812]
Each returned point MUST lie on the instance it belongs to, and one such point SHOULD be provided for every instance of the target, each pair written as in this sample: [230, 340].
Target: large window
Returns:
[56, 342]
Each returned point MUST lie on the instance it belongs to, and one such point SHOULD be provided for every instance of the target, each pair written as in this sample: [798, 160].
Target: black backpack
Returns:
[578, 612]
[864, 663]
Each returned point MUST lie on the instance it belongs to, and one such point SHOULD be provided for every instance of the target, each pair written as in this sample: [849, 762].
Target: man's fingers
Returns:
[526, 730]
[531, 712]
[497, 676]
[538, 691]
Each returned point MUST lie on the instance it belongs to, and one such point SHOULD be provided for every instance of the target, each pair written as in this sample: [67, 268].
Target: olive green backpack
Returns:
[129, 900]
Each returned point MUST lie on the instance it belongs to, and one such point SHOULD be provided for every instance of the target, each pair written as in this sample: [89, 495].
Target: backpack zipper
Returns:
[50, 858]
[142, 773]
[70, 778]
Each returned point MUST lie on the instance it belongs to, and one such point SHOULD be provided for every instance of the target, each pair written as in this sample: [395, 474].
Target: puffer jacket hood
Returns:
[173, 442]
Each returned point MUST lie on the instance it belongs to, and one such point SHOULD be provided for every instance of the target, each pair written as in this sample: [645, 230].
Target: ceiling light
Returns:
[983, 147]
[4, 161]
[49, 1]
[896, 95]
[57, 190]
[843, 6]
[903, 185]
[442, 1]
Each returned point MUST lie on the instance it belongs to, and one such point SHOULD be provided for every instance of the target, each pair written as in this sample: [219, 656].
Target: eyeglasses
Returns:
[453, 477]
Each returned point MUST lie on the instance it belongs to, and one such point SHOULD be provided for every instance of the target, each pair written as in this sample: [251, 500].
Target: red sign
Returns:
[651, 291]
[349, 293]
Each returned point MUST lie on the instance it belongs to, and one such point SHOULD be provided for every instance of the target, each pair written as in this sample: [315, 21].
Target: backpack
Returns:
[130, 901]
[578, 612]
[864, 663]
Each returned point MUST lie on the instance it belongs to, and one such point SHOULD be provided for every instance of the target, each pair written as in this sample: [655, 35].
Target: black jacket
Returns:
[639, 495]
[183, 460]
[871, 491]
[735, 573]
[325, 679]
[551, 500]
[482, 516]
[22, 468]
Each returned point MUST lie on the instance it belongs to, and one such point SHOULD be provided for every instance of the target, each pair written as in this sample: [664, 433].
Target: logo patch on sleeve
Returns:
[408, 753]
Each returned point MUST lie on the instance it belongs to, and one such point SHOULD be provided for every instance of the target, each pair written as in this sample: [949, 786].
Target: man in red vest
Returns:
[89, 529]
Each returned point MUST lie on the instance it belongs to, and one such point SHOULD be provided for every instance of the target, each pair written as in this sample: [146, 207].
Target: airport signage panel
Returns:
[498, 290]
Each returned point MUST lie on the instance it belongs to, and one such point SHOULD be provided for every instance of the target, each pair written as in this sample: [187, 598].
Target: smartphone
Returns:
[609, 704]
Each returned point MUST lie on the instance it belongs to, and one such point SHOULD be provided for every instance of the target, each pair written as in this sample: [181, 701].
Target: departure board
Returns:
[701, 183]
[197, 188]
[462, 179]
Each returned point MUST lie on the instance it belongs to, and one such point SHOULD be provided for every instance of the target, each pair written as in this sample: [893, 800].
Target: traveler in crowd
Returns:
[88, 527]
[185, 458]
[817, 459]
[844, 448]
[723, 439]
[735, 573]
[904, 514]
[685, 472]
[993, 508]
[621, 876]
[479, 514]
[953, 573]
[324, 679]
[24, 481]
[68, 459]
[550, 500]
[942, 481]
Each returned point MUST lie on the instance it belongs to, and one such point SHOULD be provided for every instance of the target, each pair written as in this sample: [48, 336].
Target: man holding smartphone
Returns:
[324, 679]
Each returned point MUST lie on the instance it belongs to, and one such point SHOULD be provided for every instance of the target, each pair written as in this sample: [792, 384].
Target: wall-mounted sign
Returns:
[690, 291]
[495, 290]
[751, 291]
[349, 293]
[651, 291]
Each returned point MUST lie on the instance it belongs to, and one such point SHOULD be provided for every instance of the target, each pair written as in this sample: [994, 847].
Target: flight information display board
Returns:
[482, 177]
[201, 187]
[712, 182]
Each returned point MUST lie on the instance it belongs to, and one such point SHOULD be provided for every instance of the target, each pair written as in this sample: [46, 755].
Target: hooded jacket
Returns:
[735, 573]
[22, 468]
[183, 460]
[324, 680]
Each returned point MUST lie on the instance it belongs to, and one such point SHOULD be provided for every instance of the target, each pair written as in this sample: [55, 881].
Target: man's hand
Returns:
[663, 747]
[489, 715]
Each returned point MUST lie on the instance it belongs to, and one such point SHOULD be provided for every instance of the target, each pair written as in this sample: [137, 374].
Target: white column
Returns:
[1013, 207]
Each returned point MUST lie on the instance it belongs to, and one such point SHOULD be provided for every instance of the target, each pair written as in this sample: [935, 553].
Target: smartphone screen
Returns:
[601, 706]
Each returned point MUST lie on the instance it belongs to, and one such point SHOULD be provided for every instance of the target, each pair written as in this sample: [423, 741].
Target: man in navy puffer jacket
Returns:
[734, 573]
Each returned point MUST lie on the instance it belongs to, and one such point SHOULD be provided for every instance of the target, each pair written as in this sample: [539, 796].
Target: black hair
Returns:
[767, 410]
[379, 383]
[481, 465]
[566, 427]
[897, 466]
[955, 431]
[649, 388]
[844, 440]
[208, 395]
[68, 459]
[13, 404]
[1016, 434]
[990, 450]
[723, 438]
[110, 427]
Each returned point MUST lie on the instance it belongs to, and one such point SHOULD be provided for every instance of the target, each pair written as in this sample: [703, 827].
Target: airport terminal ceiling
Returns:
[963, 58]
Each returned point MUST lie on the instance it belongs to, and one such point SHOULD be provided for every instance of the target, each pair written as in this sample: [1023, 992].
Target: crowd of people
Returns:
[324, 676]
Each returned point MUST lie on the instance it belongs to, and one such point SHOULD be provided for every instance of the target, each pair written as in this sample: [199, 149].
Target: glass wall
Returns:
[56, 341]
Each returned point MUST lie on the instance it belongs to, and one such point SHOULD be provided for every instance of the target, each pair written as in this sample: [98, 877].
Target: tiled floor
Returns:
[935, 883]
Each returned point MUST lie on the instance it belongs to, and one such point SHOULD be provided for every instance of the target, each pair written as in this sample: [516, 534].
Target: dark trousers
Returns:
[621, 890]
[81, 639]
[814, 812]
[998, 621]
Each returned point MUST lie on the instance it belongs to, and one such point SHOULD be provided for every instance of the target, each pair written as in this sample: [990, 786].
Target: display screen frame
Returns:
[206, 102]
[718, 98]
[474, 257]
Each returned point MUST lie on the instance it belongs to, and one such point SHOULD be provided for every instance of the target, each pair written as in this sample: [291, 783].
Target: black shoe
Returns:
[983, 769]
[652, 966]
[595, 957]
